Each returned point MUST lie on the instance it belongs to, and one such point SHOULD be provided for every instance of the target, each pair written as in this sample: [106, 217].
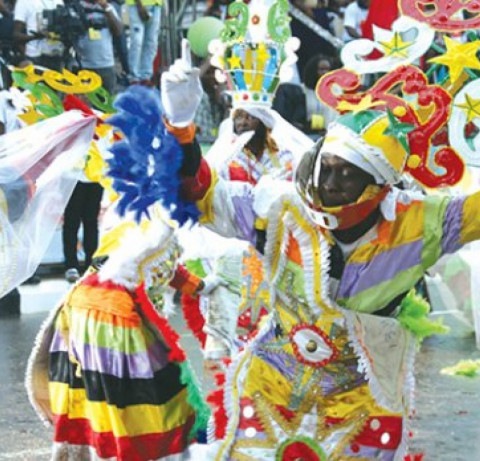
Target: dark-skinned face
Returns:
[243, 122]
[341, 182]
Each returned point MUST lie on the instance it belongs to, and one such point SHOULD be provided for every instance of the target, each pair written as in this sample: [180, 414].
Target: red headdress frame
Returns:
[340, 90]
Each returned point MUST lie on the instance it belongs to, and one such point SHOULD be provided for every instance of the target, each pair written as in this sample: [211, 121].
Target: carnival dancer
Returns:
[107, 370]
[330, 374]
[254, 141]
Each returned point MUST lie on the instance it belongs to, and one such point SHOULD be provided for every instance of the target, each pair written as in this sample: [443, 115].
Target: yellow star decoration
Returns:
[309, 426]
[364, 104]
[471, 107]
[396, 46]
[262, 53]
[458, 57]
[234, 62]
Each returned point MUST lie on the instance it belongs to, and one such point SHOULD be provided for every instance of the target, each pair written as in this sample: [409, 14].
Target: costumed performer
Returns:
[330, 374]
[107, 370]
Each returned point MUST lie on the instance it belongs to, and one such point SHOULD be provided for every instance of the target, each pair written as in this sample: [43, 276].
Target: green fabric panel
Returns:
[292, 280]
[195, 266]
[358, 121]
[435, 208]
[377, 297]
[129, 340]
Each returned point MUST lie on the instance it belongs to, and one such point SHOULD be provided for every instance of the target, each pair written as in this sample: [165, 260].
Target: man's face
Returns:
[341, 182]
[243, 122]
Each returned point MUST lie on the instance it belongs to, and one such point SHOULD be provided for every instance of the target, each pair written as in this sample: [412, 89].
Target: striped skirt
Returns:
[115, 392]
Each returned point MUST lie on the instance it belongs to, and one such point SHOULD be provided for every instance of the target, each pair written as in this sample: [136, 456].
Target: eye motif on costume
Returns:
[312, 346]
[407, 41]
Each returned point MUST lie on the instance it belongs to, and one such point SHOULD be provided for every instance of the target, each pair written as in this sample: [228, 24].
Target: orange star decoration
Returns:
[471, 107]
[458, 57]
[396, 46]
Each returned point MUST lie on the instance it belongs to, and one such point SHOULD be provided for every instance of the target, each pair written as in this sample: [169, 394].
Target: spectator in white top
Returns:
[355, 14]
[28, 33]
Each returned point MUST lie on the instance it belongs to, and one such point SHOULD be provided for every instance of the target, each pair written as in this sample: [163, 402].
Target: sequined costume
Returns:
[325, 376]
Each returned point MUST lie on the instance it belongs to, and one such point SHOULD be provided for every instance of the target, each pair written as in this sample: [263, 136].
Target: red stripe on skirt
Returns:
[140, 448]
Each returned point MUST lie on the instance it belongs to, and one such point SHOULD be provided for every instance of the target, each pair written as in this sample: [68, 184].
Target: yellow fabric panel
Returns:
[133, 420]
[391, 148]
[341, 405]
[406, 229]
[205, 205]
[471, 219]
[265, 379]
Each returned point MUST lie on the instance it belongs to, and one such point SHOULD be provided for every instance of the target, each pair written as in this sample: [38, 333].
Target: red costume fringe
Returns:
[193, 316]
[171, 338]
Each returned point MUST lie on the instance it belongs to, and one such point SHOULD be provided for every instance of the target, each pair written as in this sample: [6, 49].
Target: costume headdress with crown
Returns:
[252, 48]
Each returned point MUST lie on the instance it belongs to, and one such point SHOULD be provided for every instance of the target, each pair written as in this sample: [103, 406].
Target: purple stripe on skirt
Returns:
[141, 365]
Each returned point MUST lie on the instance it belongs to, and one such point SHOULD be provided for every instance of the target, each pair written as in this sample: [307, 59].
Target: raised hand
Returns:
[181, 89]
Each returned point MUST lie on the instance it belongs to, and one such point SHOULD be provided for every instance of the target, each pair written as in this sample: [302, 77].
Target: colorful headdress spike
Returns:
[254, 44]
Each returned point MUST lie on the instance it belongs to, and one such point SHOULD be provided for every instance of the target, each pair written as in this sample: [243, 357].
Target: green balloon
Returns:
[201, 32]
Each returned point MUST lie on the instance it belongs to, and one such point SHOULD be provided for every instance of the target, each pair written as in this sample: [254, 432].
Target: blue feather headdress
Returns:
[146, 162]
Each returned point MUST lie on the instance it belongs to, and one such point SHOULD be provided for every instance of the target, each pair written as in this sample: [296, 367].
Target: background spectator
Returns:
[318, 115]
[28, 35]
[95, 48]
[120, 44]
[144, 18]
[355, 15]
[214, 104]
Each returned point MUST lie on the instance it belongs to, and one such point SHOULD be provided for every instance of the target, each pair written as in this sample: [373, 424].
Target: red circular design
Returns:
[299, 451]
[255, 19]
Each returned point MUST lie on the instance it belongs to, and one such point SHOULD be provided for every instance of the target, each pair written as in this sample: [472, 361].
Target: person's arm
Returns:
[142, 11]
[20, 35]
[114, 22]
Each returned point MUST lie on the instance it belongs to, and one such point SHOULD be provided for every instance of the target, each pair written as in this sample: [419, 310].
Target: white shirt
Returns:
[10, 107]
[30, 13]
[354, 16]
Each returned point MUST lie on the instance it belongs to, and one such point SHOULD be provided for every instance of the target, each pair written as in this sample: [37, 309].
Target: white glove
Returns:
[181, 89]
[210, 282]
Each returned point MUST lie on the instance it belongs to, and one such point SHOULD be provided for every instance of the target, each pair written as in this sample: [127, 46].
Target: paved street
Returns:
[447, 425]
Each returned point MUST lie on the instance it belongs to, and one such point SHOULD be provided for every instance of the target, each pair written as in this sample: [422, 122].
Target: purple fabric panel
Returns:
[383, 267]
[137, 365]
[452, 225]
[245, 217]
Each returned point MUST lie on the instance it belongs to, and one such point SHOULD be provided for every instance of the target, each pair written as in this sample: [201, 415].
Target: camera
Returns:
[73, 19]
